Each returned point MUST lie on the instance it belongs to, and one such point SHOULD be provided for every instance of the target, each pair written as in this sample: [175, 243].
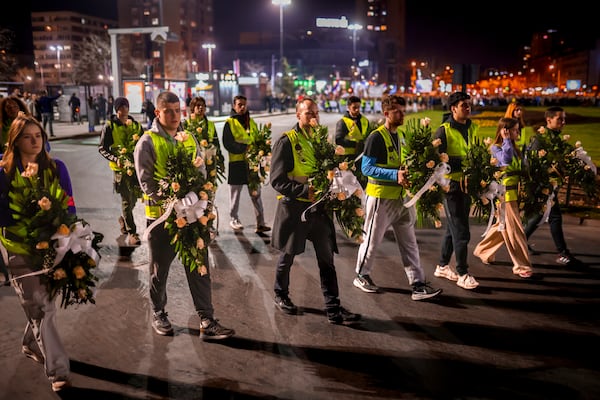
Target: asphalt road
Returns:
[509, 339]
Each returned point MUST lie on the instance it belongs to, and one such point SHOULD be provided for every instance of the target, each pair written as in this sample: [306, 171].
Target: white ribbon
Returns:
[343, 182]
[438, 176]
[548, 207]
[190, 207]
[494, 191]
[78, 240]
[583, 156]
[264, 162]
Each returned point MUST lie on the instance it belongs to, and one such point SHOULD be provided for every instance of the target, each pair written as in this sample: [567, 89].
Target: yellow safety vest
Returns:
[119, 133]
[457, 146]
[240, 135]
[383, 188]
[163, 147]
[356, 132]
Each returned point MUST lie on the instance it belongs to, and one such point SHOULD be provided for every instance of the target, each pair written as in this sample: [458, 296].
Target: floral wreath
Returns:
[125, 159]
[425, 168]
[335, 184]
[59, 242]
[258, 155]
[188, 205]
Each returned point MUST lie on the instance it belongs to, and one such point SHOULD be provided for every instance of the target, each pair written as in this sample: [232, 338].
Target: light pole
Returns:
[41, 71]
[209, 47]
[58, 49]
[281, 4]
[354, 28]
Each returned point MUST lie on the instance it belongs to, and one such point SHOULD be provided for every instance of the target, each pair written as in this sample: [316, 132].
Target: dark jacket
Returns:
[238, 171]
[289, 232]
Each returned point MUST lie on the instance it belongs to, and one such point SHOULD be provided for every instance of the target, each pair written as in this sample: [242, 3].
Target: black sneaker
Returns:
[210, 329]
[569, 261]
[285, 305]
[343, 317]
[161, 324]
[262, 228]
[422, 291]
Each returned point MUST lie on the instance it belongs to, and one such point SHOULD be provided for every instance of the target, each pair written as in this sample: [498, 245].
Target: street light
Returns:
[209, 47]
[58, 49]
[41, 71]
[354, 28]
[281, 4]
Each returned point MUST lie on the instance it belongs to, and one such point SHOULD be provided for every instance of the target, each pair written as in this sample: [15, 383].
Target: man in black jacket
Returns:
[290, 233]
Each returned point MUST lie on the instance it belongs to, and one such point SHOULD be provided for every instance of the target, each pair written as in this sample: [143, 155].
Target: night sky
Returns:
[446, 32]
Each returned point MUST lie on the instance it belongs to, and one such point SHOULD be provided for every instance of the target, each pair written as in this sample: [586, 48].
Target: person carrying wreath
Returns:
[41, 340]
[117, 142]
[508, 228]
[292, 163]
[150, 157]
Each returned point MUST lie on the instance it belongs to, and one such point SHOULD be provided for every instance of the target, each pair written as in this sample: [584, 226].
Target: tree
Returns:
[8, 63]
[92, 59]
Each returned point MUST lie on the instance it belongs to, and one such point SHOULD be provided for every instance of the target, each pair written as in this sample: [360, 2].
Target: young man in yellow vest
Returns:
[384, 205]
[151, 156]
[350, 133]
[456, 134]
[236, 137]
[116, 134]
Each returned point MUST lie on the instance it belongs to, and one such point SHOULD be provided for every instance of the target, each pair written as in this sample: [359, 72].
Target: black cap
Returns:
[457, 97]
[120, 102]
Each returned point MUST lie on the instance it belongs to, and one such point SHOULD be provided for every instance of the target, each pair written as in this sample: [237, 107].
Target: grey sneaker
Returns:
[422, 291]
[236, 225]
[161, 324]
[364, 283]
[210, 329]
[445, 271]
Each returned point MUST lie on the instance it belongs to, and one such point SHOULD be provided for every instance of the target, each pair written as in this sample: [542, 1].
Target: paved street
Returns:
[510, 339]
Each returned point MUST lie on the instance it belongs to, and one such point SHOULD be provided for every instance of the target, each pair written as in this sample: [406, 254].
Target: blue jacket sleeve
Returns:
[373, 171]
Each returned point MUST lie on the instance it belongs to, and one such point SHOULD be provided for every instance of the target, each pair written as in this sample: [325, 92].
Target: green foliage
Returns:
[190, 235]
[421, 156]
[40, 210]
[259, 157]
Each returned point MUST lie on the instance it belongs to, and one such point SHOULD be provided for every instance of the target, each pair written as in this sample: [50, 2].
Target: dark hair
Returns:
[552, 111]
[4, 118]
[390, 101]
[12, 156]
[353, 99]
[165, 98]
[239, 97]
[197, 101]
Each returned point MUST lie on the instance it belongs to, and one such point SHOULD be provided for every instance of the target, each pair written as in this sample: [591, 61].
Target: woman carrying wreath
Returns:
[26, 147]
[508, 229]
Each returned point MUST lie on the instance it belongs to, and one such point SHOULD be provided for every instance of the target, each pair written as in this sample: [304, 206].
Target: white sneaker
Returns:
[235, 224]
[467, 281]
[445, 272]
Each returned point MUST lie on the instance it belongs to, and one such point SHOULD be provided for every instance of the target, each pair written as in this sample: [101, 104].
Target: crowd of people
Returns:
[140, 159]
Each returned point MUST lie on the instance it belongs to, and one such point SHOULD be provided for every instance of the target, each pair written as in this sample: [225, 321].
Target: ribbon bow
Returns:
[343, 182]
[583, 156]
[190, 207]
[78, 240]
[494, 191]
[438, 176]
